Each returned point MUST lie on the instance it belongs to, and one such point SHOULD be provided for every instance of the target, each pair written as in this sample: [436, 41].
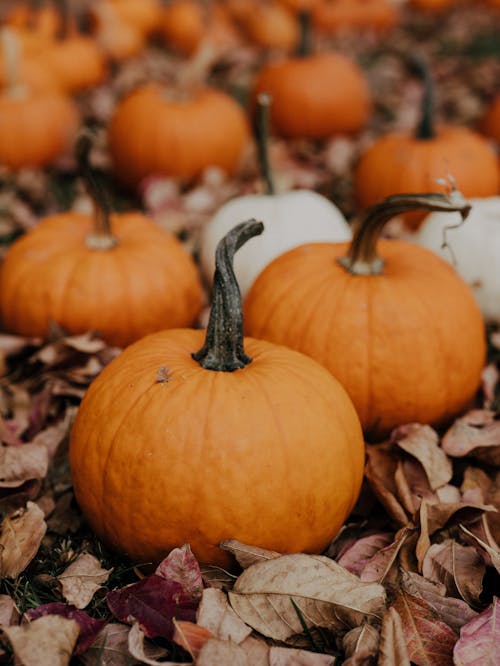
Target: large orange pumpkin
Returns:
[171, 446]
[424, 160]
[118, 274]
[393, 322]
[189, 133]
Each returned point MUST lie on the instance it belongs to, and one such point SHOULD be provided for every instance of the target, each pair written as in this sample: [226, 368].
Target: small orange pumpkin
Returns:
[144, 15]
[118, 38]
[392, 322]
[118, 274]
[240, 439]
[331, 16]
[270, 25]
[190, 132]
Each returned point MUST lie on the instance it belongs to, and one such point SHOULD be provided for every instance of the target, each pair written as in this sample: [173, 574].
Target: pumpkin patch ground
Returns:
[325, 491]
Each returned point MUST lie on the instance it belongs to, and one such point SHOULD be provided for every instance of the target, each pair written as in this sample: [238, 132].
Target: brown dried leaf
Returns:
[146, 653]
[380, 472]
[429, 641]
[257, 651]
[493, 552]
[216, 615]
[281, 656]
[81, 580]
[380, 565]
[444, 515]
[22, 533]
[190, 636]
[392, 647]
[110, 647]
[361, 642]
[48, 641]
[9, 613]
[216, 651]
[270, 596]
[215, 576]
[19, 464]
[476, 434]
[460, 568]
[422, 442]
[52, 436]
[247, 555]
[355, 556]
[479, 642]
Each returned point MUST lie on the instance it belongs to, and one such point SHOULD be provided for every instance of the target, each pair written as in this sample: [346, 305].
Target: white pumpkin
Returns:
[474, 249]
[290, 219]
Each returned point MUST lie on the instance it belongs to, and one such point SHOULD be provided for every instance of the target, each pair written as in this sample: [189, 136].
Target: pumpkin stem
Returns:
[64, 9]
[223, 349]
[102, 238]
[304, 43]
[362, 257]
[11, 50]
[264, 101]
[425, 128]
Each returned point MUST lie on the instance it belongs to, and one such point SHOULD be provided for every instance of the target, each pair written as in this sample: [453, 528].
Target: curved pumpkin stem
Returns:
[102, 238]
[425, 128]
[223, 348]
[304, 44]
[264, 101]
[362, 257]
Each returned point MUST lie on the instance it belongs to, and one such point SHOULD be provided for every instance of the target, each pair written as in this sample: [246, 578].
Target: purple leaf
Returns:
[479, 642]
[182, 567]
[153, 602]
[89, 626]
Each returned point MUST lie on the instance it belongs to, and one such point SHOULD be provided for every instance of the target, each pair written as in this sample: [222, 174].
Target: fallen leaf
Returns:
[443, 515]
[378, 568]
[110, 648]
[81, 580]
[422, 442]
[22, 463]
[380, 470]
[153, 602]
[53, 435]
[48, 641]
[22, 533]
[476, 434]
[429, 641]
[276, 596]
[181, 566]
[479, 642]
[355, 556]
[460, 568]
[9, 613]
[216, 615]
[247, 555]
[214, 576]
[392, 647]
[65, 517]
[281, 656]
[192, 637]
[257, 651]
[494, 553]
[144, 652]
[220, 652]
[361, 642]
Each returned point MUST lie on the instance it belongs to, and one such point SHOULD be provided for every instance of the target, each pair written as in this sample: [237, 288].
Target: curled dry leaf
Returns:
[216, 615]
[476, 434]
[380, 566]
[392, 648]
[380, 473]
[422, 442]
[109, 647]
[22, 533]
[181, 566]
[479, 642]
[361, 642]
[277, 596]
[459, 568]
[247, 555]
[9, 613]
[19, 464]
[216, 651]
[89, 626]
[356, 555]
[81, 580]
[146, 653]
[493, 552]
[190, 636]
[48, 641]
[214, 576]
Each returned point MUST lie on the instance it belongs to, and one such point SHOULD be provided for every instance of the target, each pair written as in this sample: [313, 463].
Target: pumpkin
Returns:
[119, 274]
[284, 215]
[21, 69]
[270, 25]
[423, 160]
[392, 322]
[472, 246]
[432, 6]
[144, 15]
[44, 20]
[315, 95]
[491, 121]
[333, 15]
[190, 132]
[241, 438]
[37, 124]
[117, 38]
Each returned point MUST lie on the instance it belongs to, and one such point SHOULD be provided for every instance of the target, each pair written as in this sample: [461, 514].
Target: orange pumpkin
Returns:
[240, 439]
[118, 274]
[315, 96]
[118, 38]
[76, 61]
[491, 121]
[270, 25]
[393, 322]
[44, 21]
[424, 161]
[333, 15]
[432, 5]
[190, 132]
[16, 67]
[144, 15]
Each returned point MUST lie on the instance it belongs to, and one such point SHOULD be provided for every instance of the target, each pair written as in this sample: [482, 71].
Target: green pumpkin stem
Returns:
[362, 257]
[102, 238]
[264, 101]
[223, 349]
[425, 128]
[304, 43]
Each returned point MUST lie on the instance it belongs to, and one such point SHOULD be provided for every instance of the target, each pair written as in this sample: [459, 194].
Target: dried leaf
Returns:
[182, 567]
[20, 540]
[380, 471]
[361, 642]
[110, 647]
[192, 637]
[257, 651]
[153, 602]
[216, 651]
[22, 463]
[494, 553]
[275, 597]
[392, 649]
[479, 642]
[443, 515]
[146, 653]
[355, 556]
[247, 555]
[476, 434]
[460, 568]
[380, 565]
[281, 656]
[429, 641]
[216, 615]
[422, 442]
[81, 580]
[48, 641]
[214, 576]
[9, 613]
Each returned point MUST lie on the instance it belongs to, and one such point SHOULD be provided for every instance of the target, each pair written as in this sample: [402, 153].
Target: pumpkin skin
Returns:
[187, 460]
[206, 128]
[329, 89]
[76, 61]
[408, 344]
[491, 122]
[474, 249]
[333, 15]
[271, 26]
[145, 283]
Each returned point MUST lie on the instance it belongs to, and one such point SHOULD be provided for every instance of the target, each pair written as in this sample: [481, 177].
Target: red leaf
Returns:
[181, 566]
[153, 602]
[479, 642]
